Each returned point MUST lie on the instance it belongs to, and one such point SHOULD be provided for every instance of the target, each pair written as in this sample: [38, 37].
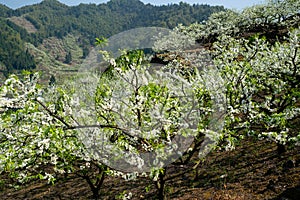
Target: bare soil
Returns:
[254, 170]
[22, 22]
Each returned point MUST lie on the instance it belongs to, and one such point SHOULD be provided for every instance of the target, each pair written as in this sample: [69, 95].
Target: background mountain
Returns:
[46, 34]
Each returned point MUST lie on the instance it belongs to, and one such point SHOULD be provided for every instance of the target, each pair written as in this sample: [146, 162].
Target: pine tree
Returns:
[68, 58]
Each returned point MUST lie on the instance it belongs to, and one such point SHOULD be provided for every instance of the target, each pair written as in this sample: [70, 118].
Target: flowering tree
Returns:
[148, 116]
[37, 138]
[261, 77]
[136, 120]
[273, 15]
[262, 87]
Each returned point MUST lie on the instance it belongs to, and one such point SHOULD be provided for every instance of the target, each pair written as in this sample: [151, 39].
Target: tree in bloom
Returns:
[256, 50]
[137, 119]
[262, 87]
[37, 139]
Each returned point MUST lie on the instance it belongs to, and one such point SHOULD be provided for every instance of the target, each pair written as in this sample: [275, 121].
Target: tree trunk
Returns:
[96, 194]
[281, 148]
[161, 185]
[95, 188]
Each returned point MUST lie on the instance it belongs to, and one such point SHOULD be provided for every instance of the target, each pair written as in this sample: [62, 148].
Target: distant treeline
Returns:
[54, 19]
[13, 54]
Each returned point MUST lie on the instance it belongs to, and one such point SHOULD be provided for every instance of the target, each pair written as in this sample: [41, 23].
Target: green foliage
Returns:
[68, 58]
[52, 18]
[101, 42]
[42, 127]
[45, 138]
[12, 50]
[87, 21]
[5, 11]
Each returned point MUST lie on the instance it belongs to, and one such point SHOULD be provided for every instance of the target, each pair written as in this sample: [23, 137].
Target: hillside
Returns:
[38, 23]
[5, 11]
[231, 84]
[13, 54]
[53, 18]
[253, 171]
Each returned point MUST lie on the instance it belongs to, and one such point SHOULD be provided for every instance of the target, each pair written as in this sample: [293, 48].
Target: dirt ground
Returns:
[254, 170]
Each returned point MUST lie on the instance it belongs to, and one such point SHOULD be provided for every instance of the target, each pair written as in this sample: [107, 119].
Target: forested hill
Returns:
[50, 18]
[54, 18]
[5, 11]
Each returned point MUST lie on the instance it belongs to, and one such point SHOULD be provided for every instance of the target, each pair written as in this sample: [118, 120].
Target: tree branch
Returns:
[53, 114]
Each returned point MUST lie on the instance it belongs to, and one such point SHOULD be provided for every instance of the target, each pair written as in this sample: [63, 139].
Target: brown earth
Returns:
[22, 22]
[254, 170]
